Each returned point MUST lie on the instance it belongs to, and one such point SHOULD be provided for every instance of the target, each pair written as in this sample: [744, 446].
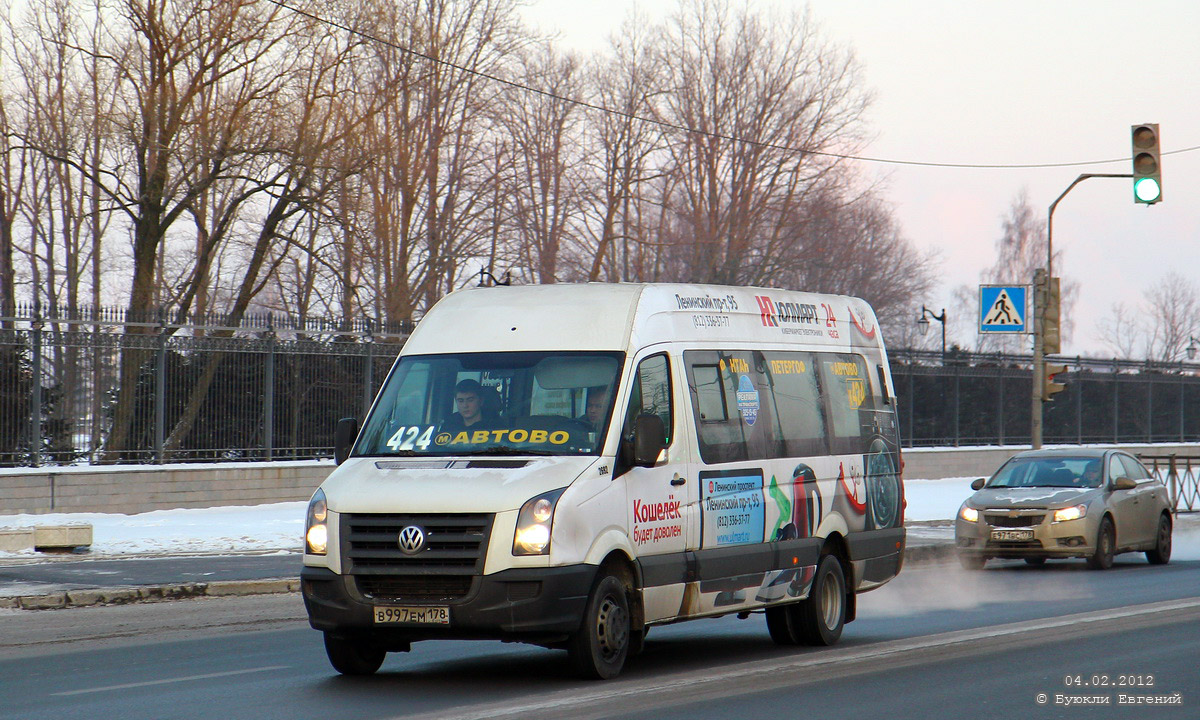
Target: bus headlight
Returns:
[316, 532]
[534, 523]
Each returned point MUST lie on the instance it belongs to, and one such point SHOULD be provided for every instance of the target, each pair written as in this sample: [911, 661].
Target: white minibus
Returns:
[571, 465]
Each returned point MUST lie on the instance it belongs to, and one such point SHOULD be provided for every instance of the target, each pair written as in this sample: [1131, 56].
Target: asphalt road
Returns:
[77, 574]
[938, 642]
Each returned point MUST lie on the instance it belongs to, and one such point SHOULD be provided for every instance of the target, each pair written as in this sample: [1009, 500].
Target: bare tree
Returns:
[1122, 333]
[544, 183]
[760, 97]
[425, 205]
[1172, 305]
[623, 145]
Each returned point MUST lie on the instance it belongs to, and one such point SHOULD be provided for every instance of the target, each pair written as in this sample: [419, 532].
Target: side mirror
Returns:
[343, 438]
[649, 439]
[1124, 483]
[978, 483]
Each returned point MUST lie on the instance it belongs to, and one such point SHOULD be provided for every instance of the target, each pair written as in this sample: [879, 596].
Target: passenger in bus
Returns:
[474, 413]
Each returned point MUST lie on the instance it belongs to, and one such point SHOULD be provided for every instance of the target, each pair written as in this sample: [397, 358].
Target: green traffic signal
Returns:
[1147, 167]
[1146, 190]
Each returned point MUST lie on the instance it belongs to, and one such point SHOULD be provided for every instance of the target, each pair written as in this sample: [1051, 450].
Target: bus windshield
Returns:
[501, 403]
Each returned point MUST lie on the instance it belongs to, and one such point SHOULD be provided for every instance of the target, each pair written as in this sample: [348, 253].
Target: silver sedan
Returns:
[1078, 503]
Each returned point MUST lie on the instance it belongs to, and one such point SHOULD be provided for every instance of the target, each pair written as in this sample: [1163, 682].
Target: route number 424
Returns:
[411, 438]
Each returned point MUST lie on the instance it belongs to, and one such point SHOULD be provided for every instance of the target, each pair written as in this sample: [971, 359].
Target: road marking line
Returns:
[690, 680]
[171, 680]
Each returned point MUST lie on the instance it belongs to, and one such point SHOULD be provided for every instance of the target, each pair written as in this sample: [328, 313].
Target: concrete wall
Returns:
[136, 489]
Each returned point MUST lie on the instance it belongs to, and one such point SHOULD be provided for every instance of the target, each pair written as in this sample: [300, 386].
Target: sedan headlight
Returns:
[1070, 513]
[316, 532]
[969, 514]
[534, 523]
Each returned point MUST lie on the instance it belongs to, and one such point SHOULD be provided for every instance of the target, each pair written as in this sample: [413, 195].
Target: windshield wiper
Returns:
[394, 453]
[506, 450]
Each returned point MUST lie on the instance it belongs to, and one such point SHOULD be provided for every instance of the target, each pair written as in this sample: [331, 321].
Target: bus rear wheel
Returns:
[822, 616]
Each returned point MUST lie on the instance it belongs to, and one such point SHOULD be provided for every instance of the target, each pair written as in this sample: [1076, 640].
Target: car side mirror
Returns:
[649, 439]
[343, 438]
[1124, 483]
[978, 483]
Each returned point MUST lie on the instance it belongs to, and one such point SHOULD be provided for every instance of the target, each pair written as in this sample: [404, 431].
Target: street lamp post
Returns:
[1191, 348]
[923, 325]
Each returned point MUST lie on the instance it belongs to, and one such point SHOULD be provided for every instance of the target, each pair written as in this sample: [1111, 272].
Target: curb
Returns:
[930, 553]
[148, 593]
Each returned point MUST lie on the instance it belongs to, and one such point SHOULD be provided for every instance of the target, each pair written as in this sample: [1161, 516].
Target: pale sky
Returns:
[1018, 81]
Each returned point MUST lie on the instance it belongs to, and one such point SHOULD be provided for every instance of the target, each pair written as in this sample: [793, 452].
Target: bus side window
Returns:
[847, 391]
[800, 414]
[651, 394]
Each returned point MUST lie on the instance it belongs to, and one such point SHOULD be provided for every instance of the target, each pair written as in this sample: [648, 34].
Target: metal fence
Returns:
[272, 387]
[264, 387]
[1181, 474]
[984, 399]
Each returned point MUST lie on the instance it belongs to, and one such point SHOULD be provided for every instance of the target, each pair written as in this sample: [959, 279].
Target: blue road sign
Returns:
[1004, 309]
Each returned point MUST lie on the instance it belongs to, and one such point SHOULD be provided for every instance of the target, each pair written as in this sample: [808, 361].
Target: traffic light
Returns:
[1051, 335]
[1147, 165]
[1050, 387]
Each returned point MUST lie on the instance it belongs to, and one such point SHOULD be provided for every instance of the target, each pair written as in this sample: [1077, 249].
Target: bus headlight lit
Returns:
[533, 524]
[316, 532]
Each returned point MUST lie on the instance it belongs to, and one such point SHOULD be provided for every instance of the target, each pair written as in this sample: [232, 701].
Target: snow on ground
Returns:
[279, 527]
[256, 528]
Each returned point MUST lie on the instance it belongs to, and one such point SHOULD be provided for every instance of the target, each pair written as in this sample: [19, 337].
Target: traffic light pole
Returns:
[1041, 293]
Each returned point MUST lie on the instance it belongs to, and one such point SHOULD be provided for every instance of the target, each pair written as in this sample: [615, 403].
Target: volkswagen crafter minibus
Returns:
[571, 465]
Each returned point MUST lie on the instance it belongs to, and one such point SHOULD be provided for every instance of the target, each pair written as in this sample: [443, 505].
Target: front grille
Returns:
[426, 588]
[1013, 522]
[455, 547]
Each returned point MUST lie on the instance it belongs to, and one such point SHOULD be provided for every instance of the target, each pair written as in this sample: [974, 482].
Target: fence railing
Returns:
[1181, 474]
[984, 399]
[102, 385]
[96, 386]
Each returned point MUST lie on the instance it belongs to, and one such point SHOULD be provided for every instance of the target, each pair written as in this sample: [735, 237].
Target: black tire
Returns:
[1161, 554]
[353, 657]
[972, 562]
[820, 618]
[598, 649]
[1035, 561]
[783, 624]
[1106, 541]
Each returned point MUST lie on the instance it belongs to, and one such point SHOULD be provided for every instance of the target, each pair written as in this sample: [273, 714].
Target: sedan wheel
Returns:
[1106, 539]
[1161, 554]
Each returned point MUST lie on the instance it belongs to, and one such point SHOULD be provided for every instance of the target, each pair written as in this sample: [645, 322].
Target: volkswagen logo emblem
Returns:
[411, 540]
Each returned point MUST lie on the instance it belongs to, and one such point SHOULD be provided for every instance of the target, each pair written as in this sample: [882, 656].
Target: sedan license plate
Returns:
[1011, 535]
[385, 614]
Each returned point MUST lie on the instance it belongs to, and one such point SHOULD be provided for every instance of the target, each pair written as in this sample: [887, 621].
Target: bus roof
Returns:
[627, 316]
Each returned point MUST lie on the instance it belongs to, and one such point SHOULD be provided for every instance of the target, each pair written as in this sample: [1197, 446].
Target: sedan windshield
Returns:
[519, 403]
[1049, 472]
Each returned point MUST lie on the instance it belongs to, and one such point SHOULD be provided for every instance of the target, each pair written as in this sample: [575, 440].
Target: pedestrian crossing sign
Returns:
[1004, 309]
